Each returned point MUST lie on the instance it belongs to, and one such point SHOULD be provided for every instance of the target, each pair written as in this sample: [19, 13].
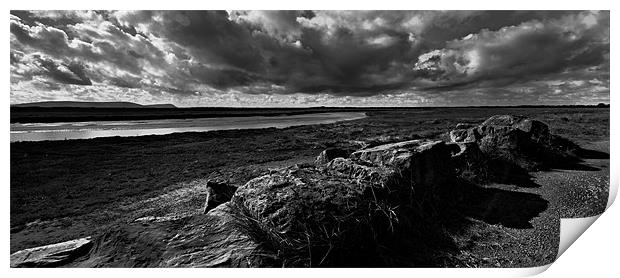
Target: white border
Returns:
[595, 253]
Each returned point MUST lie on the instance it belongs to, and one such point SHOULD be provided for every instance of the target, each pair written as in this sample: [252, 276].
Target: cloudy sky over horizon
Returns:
[311, 58]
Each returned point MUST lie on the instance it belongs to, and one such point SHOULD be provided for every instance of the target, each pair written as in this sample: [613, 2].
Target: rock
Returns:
[382, 176]
[214, 240]
[329, 154]
[218, 192]
[202, 240]
[515, 139]
[537, 130]
[464, 126]
[317, 215]
[51, 255]
[388, 154]
[469, 161]
[467, 150]
[502, 124]
[426, 162]
[464, 135]
[458, 135]
[347, 207]
[382, 140]
[162, 218]
[283, 198]
[357, 143]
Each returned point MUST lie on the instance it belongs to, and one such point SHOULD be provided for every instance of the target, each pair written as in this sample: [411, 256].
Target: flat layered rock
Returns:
[166, 218]
[200, 240]
[51, 255]
[212, 240]
[388, 154]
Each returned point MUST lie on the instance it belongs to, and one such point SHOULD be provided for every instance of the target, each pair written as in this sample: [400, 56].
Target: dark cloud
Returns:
[339, 53]
[519, 52]
[36, 65]
[208, 36]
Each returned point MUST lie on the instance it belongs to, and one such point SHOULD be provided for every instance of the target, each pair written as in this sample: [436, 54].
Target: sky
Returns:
[311, 58]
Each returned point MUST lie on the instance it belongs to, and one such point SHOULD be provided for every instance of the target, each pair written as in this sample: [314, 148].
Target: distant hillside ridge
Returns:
[86, 104]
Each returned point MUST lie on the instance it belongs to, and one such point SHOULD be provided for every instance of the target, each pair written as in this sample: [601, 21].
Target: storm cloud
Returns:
[285, 58]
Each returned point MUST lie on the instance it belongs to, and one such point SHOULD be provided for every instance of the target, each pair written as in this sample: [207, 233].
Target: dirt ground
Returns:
[559, 193]
[61, 190]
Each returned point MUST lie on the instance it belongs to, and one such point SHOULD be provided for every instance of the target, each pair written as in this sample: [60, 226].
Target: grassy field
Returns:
[62, 190]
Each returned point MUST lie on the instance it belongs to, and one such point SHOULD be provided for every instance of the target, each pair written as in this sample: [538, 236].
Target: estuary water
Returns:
[94, 129]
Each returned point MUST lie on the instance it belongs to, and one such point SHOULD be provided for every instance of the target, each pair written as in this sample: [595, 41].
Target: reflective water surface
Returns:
[86, 130]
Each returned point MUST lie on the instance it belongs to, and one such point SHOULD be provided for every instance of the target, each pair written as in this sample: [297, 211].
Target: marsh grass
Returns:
[306, 245]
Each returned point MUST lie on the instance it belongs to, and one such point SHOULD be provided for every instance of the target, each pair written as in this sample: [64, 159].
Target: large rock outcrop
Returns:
[302, 213]
[518, 140]
[426, 163]
[345, 208]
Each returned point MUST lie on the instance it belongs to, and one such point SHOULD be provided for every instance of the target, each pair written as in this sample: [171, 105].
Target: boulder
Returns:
[517, 140]
[218, 192]
[464, 135]
[427, 163]
[468, 151]
[358, 144]
[381, 176]
[469, 161]
[347, 207]
[392, 154]
[535, 130]
[464, 126]
[51, 255]
[329, 154]
[285, 197]
[317, 216]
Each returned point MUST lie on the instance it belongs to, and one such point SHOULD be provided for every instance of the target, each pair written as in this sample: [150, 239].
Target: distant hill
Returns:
[165, 105]
[84, 104]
